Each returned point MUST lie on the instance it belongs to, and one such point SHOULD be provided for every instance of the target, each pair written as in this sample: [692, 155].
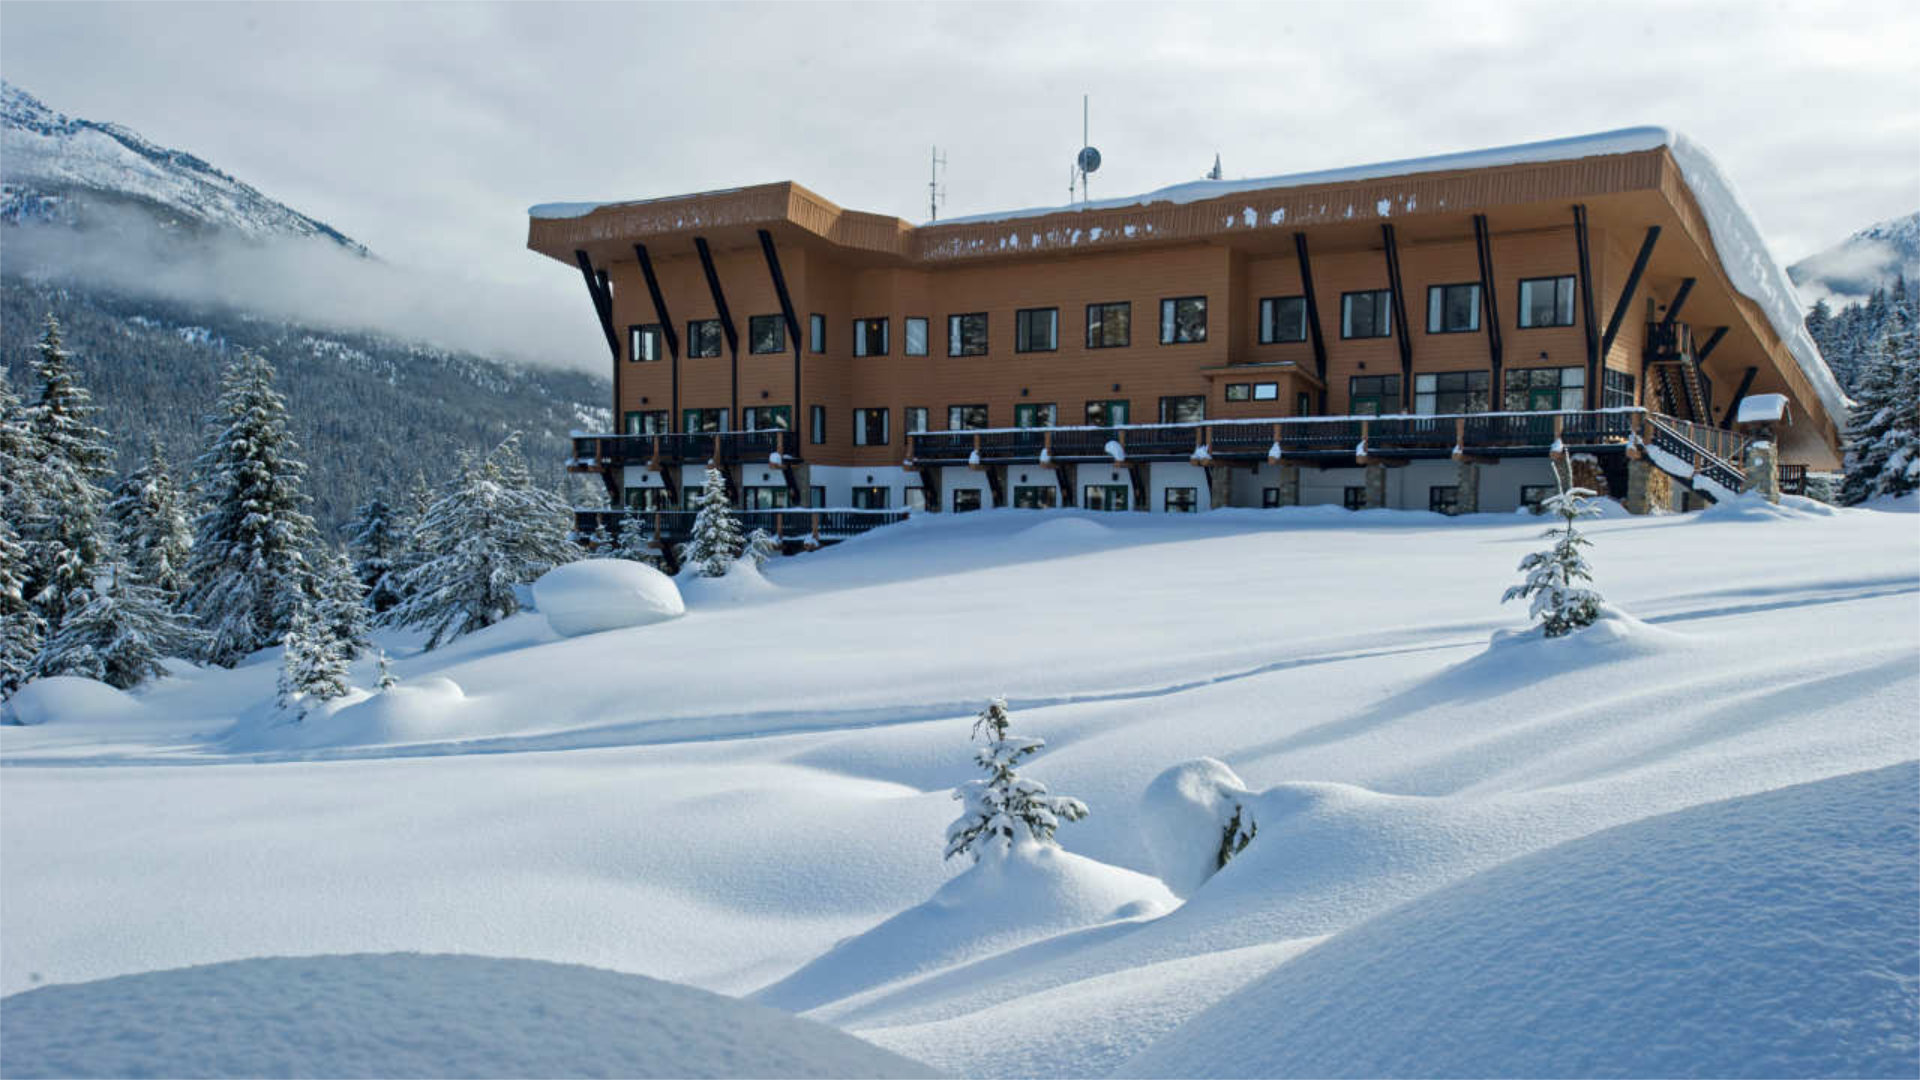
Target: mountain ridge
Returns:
[1869, 259]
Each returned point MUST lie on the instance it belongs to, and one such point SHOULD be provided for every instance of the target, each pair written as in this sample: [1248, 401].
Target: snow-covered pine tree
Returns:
[635, 542]
[22, 630]
[126, 628]
[340, 609]
[311, 667]
[150, 519]
[600, 541]
[490, 531]
[64, 535]
[716, 539]
[761, 546]
[1006, 808]
[377, 545]
[408, 518]
[1560, 603]
[249, 571]
[388, 680]
[1883, 448]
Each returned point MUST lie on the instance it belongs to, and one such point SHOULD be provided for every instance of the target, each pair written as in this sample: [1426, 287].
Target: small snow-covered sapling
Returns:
[1006, 808]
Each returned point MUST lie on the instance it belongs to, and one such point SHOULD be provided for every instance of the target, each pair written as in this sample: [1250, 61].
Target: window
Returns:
[1266, 391]
[1109, 326]
[1450, 392]
[1616, 389]
[1354, 498]
[1303, 404]
[1366, 314]
[651, 422]
[869, 427]
[1545, 389]
[1283, 319]
[967, 334]
[915, 498]
[766, 334]
[768, 418]
[1534, 496]
[916, 335]
[816, 424]
[1239, 391]
[1183, 320]
[915, 418]
[1269, 498]
[1372, 395]
[1453, 309]
[703, 338]
[1035, 497]
[816, 496]
[1036, 330]
[1183, 410]
[1444, 499]
[966, 499]
[763, 498]
[1183, 500]
[869, 498]
[869, 337]
[966, 417]
[1546, 302]
[1104, 497]
[1107, 413]
[817, 333]
[645, 343]
[647, 498]
[1025, 415]
[702, 421]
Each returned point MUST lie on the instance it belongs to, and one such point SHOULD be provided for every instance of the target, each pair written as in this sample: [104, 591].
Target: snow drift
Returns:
[407, 1014]
[593, 595]
[1185, 813]
[67, 699]
[1767, 935]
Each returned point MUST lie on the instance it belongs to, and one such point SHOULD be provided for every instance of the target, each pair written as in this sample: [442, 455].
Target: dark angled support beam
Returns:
[602, 300]
[997, 485]
[1142, 494]
[786, 313]
[726, 322]
[1588, 317]
[667, 331]
[1489, 302]
[930, 483]
[1713, 342]
[1400, 337]
[1313, 314]
[1626, 292]
[1733, 407]
[1679, 301]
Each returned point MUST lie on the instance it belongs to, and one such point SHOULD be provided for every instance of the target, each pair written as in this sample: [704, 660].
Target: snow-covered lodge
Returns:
[1417, 334]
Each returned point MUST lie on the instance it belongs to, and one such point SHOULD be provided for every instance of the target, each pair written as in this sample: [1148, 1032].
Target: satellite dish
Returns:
[1089, 159]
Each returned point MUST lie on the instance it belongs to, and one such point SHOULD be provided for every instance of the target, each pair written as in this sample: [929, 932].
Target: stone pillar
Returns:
[1219, 486]
[1289, 485]
[1376, 485]
[1763, 465]
[1639, 486]
[1469, 499]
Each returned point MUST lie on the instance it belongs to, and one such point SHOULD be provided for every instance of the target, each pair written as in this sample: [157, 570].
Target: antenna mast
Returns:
[1086, 161]
[936, 194]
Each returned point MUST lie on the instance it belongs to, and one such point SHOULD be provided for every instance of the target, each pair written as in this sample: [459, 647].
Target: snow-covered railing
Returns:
[1698, 451]
[786, 523]
[774, 447]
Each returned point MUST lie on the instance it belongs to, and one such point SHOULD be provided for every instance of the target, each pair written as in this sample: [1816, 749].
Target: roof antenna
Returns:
[1214, 173]
[1087, 161]
[936, 192]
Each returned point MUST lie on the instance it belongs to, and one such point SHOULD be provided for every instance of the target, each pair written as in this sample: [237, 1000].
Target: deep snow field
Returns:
[751, 799]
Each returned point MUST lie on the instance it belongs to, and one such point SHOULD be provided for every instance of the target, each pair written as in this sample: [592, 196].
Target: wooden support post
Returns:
[974, 462]
[1558, 452]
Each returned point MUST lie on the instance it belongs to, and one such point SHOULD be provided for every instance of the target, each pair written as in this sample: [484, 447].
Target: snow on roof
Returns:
[554, 210]
[1762, 408]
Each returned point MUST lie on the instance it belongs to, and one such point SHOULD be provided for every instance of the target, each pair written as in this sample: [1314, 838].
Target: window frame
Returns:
[1244, 392]
[1124, 498]
[1392, 396]
[1443, 499]
[1047, 498]
[1383, 303]
[926, 336]
[1170, 399]
[652, 330]
[1524, 313]
[863, 336]
[1438, 311]
[725, 414]
[1190, 501]
[1466, 391]
[954, 413]
[817, 334]
[776, 496]
[1052, 408]
[971, 495]
[1023, 330]
[694, 334]
[868, 492]
[750, 416]
[1269, 307]
[911, 413]
[955, 338]
[863, 426]
[1570, 385]
[1126, 406]
[664, 417]
[1170, 320]
[754, 323]
[1126, 330]
[816, 424]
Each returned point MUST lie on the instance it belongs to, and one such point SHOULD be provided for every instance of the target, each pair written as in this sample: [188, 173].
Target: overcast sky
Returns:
[425, 131]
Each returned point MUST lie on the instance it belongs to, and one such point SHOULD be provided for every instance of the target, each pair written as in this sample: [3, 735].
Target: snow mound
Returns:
[67, 699]
[426, 709]
[1514, 657]
[1063, 535]
[1184, 813]
[407, 1014]
[1752, 506]
[593, 595]
[1001, 902]
[1776, 934]
[744, 583]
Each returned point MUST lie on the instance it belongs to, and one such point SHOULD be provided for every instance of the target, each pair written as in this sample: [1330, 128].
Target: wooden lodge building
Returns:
[1419, 335]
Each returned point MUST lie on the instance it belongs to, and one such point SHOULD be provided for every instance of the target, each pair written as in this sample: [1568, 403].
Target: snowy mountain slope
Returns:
[66, 170]
[1869, 259]
[721, 799]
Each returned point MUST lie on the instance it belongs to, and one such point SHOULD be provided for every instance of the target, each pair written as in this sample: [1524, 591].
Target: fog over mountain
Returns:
[1870, 259]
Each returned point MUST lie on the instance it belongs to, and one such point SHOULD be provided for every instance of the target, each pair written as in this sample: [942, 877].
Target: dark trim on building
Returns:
[1733, 407]
[1483, 243]
[602, 296]
[1313, 313]
[1400, 335]
[1581, 245]
[666, 327]
[726, 317]
[1713, 342]
[1679, 301]
[786, 312]
[1626, 291]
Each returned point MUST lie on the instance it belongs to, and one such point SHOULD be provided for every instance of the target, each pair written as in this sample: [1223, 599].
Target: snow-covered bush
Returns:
[119, 637]
[1195, 817]
[1560, 602]
[379, 540]
[1005, 809]
[716, 541]
[150, 520]
[635, 543]
[313, 667]
[592, 595]
[761, 546]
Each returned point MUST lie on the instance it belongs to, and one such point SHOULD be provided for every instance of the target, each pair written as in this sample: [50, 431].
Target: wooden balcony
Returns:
[793, 527]
[598, 453]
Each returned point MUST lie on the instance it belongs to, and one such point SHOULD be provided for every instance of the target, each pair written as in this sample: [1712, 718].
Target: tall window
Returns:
[1036, 330]
[816, 424]
[768, 418]
[1183, 320]
[763, 498]
[766, 334]
[650, 422]
[1025, 415]
[1107, 413]
[816, 333]
[703, 338]
[1366, 314]
[915, 418]
[1109, 326]
[916, 335]
[1545, 389]
[1546, 301]
[1616, 389]
[869, 498]
[869, 427]
[1373, 395]
[1182, 500]
[1283, 319]
[1450, 392]
[1444, 499]
[1453, 309]
[966, 417]
[703, 421]
[1185, 409]
[645, 343]
[869, 337]
[967, 334]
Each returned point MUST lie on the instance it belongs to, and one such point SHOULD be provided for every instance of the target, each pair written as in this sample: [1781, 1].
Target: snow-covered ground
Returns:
[744, 797]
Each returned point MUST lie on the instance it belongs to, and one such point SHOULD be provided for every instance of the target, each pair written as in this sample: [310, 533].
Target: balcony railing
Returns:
[592, 452]
[797, 524]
